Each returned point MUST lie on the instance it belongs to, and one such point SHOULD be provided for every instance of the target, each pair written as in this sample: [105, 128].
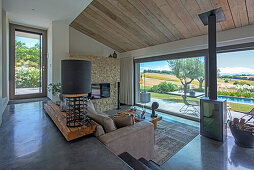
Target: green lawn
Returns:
[175, 98]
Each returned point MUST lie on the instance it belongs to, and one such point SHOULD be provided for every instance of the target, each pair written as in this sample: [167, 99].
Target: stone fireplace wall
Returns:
[104, 70]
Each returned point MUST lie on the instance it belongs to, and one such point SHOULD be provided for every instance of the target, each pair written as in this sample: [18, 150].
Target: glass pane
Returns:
[28, 61]
[177, 85]
[236, 80]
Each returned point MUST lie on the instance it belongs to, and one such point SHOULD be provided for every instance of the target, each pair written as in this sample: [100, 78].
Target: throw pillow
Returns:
[90, 106]
[104, 120]
[123, 120]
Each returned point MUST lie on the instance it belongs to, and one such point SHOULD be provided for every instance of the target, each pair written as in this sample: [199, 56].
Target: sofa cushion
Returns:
[104, 120]
[122, 120]
[138, 140]
[99, 129]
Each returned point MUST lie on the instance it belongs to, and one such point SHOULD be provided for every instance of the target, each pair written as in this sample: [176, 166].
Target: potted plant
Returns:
[55, 88]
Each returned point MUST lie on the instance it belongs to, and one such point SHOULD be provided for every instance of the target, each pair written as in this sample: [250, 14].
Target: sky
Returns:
[241, 62]
[30, 42]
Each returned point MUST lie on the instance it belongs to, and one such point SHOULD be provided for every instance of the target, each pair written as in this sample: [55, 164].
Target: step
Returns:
[152, 165]
[133, 162]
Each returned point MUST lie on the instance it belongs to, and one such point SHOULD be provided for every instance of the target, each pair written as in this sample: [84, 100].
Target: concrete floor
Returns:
[205, 154]
[30, 140]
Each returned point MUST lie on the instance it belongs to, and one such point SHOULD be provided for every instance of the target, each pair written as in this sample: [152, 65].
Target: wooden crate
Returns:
[59, 118]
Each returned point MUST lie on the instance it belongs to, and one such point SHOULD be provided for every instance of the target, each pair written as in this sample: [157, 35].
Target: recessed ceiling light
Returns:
[33, 9]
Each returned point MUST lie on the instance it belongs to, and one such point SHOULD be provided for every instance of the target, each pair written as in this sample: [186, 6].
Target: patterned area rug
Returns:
[170, 138]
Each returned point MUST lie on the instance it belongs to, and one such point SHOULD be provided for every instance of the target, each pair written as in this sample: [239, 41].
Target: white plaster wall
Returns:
[58, 49]
[224, 38]
[81, 44]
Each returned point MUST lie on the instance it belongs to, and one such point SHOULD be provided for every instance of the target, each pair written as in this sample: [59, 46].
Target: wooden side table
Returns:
[153, 120]
[70, 133]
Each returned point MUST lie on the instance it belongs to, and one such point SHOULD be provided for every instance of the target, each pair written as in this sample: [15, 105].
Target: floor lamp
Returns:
[76, 84]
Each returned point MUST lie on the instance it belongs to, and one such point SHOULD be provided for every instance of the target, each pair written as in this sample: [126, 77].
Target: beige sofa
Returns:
[137, 140]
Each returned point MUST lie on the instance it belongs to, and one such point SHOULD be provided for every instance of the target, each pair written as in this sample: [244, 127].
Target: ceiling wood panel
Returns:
[126, 25]
[133, 14]
[250, 10]
[119, 17]
[152, 19]
[170, 13]
[116, 25]
[163, 19]
[110, 28]
[239, 12]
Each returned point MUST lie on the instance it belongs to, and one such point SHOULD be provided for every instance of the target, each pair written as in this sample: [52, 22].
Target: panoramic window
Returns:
[176, 85]
[236, 79]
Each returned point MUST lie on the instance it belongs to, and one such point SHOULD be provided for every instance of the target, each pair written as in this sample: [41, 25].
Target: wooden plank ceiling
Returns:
[126, 25]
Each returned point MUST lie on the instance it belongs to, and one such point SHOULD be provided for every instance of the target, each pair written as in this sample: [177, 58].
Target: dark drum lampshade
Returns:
[75, 76]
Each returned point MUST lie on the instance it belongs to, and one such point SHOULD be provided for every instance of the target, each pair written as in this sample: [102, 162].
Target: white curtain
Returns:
[127, 80]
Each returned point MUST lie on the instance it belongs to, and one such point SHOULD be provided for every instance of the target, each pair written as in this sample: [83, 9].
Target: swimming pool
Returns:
[237, 99]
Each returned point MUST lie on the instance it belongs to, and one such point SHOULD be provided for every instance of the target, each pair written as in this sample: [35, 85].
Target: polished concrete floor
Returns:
[205, 154]
[30, 140]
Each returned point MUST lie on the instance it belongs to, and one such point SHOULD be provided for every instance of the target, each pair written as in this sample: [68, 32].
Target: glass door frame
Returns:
[13, 28]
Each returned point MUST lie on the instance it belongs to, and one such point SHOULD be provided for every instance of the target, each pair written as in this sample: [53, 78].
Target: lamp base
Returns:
[76, 111]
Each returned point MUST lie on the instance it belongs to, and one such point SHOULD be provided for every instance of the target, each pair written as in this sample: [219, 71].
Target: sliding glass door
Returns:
[176, 84]
[27, 62]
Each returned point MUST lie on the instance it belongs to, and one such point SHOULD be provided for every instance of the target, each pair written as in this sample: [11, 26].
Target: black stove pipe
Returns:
[212, 59]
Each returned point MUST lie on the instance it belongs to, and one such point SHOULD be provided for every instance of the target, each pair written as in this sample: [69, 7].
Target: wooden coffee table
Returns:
[153, 120]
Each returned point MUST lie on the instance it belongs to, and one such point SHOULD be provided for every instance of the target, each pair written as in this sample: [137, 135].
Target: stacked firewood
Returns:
[242, 124]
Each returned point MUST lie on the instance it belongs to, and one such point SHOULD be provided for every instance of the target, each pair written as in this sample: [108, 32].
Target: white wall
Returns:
[83, 45]
[58, 49]
[224, 38]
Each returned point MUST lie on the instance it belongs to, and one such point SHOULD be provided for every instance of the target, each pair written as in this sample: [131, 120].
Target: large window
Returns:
[236, 79]
[176, 85]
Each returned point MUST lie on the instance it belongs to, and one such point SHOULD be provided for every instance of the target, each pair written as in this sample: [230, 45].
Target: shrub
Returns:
[155, 89]
[236, 82]
[27, 77]
[243, 83]
[239, 93]
[164, 87]
[226, 81]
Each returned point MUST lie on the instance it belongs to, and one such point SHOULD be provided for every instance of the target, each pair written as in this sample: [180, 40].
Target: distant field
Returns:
[156, 78]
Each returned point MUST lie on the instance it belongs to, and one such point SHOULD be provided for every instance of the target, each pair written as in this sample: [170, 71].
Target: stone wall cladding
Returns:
[104, 70]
